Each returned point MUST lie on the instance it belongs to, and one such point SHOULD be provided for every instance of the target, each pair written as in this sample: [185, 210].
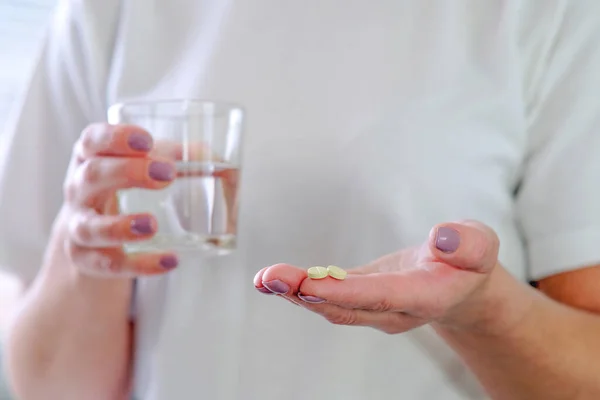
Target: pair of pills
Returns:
[322, 272]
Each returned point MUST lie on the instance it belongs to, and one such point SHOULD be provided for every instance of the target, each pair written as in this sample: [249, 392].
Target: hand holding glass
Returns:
[198, 211]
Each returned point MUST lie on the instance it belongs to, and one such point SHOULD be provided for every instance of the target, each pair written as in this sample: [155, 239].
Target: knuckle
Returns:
[106, 264]
[94, 138]
[80, 228]
[70, 191]
[86, 140]
[93, 261]
[382, 306]
[99, 263]
[90, 171]
[341, 317]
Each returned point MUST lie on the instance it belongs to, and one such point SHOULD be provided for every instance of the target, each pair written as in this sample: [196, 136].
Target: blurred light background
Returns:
[22, 23]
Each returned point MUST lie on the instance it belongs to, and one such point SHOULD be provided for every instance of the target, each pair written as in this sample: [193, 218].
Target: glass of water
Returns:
[198, 211]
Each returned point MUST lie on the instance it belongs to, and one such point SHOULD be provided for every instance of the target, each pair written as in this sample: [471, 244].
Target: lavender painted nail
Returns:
[169, 262]
[264, 290]
[140, 142]
[447, 239]
[277, 286]
[310, 299]
[142, 225]
[160, 171]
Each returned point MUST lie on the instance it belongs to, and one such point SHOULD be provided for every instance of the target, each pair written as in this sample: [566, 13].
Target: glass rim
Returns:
[226, 106]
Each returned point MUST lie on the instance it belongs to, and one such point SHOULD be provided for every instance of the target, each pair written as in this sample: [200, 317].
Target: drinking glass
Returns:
[198, 211]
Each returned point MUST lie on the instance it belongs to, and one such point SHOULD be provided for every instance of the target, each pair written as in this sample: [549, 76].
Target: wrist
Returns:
[500, 306]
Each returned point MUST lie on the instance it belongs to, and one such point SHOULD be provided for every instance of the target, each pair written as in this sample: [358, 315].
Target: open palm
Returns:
[439, 281]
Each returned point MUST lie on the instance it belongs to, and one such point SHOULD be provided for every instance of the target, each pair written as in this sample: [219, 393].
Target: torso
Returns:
[367, 125]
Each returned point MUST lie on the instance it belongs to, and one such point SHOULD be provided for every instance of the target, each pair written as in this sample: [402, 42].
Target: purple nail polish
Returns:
[447, 239]
[310, 299]
[142, 225]
[140, 142]
[169, 262]
[160, 171]
[264, 290]
[277, 286]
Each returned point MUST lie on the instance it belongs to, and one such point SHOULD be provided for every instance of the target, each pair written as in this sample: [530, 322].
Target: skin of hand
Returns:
[71, 338]
[521, 343]
[107, 159]
[452, 280]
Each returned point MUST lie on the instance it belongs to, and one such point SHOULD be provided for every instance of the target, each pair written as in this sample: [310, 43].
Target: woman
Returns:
[370, 123]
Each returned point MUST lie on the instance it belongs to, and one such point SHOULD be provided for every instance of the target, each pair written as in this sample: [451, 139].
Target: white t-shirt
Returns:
[368, 122]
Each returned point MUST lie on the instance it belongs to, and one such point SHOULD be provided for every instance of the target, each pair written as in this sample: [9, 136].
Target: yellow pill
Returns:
[317, 272]
[336, 272]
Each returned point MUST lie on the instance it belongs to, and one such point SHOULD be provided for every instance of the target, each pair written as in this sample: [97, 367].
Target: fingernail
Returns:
[447, 239]
[160, 171]
[140, 142]
[264, 290]
[142, 225]
[169, 262]
[277, 286]
[310, 299]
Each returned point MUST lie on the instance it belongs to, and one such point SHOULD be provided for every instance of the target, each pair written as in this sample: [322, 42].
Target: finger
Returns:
[114, 263]
[201, 152]
[95, 230]
[258, 285]
[102, 176]
[290, 282]
[283, 279]
[113, 140]
[388, 322]
[377, 291]
[177, 151]
[468, 245]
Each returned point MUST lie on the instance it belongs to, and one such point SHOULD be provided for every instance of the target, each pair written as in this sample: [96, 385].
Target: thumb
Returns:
[468, 244]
